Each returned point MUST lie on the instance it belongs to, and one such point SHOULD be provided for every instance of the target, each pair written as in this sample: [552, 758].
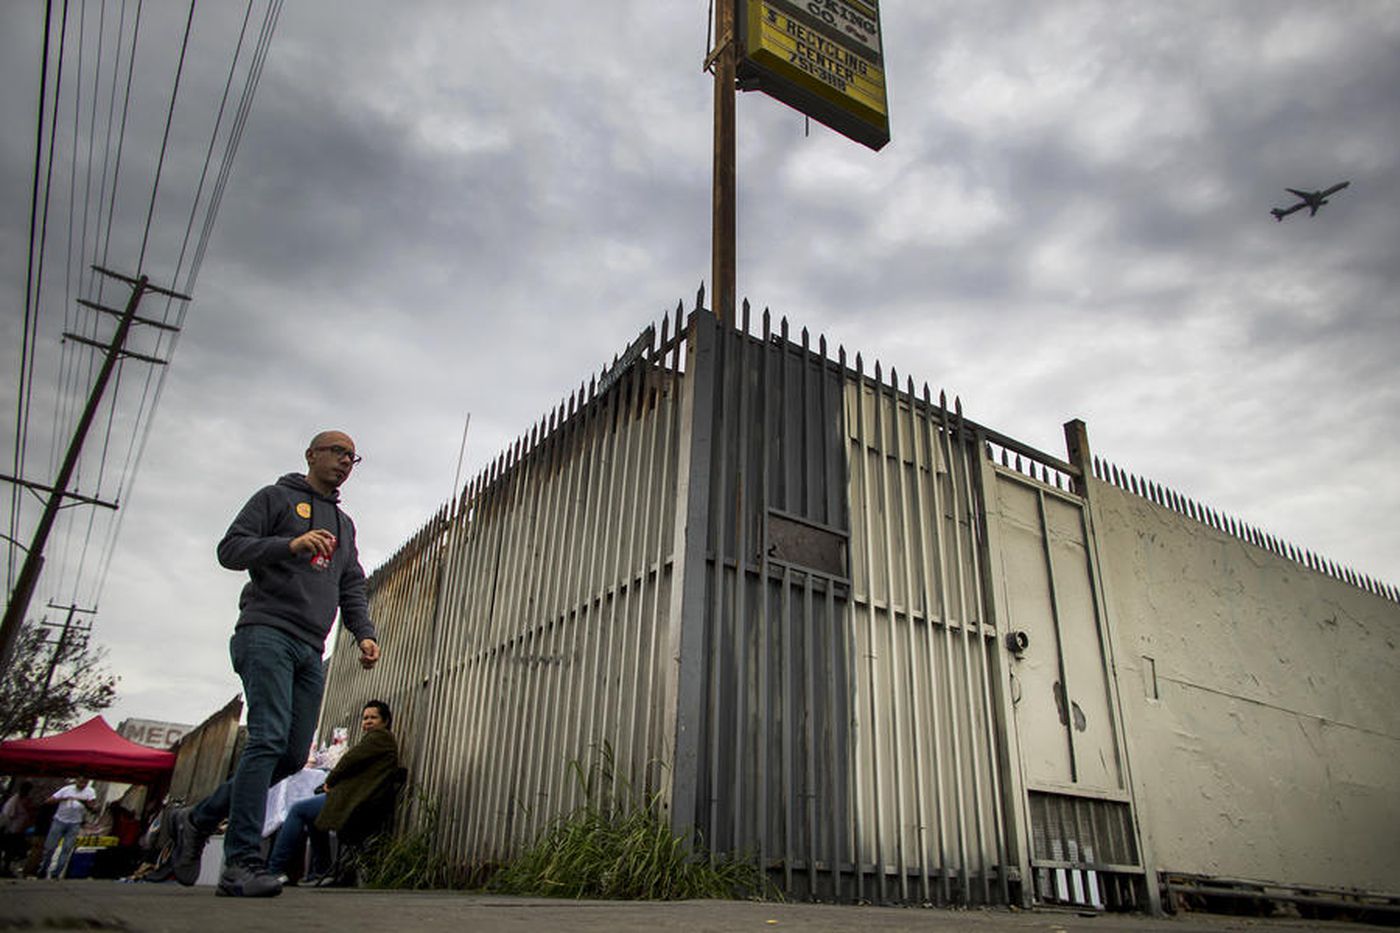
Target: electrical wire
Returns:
[262, 48]
[94, 234]
[30, 323]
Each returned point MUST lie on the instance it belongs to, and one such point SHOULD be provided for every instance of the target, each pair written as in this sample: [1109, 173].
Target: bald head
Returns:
[326, 438]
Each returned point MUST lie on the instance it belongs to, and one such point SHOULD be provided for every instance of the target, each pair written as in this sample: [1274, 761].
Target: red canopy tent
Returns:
[92, 749]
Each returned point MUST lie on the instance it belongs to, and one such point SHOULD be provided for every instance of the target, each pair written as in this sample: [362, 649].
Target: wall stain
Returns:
[1081, 722]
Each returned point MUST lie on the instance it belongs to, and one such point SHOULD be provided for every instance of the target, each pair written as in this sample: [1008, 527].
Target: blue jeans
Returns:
[63, 837]
[301, 820]
[282, 683]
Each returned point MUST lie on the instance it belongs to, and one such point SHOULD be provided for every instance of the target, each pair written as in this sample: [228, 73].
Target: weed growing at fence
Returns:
[409, 860]
[619, 845]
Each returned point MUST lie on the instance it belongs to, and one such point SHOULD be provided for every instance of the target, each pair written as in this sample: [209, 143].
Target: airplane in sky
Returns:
[1312, 200]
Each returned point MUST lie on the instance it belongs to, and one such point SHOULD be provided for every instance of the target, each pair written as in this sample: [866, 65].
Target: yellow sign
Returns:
[822, 57]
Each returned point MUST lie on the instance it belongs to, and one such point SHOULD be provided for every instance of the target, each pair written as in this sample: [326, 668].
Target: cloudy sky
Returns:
[467, 207]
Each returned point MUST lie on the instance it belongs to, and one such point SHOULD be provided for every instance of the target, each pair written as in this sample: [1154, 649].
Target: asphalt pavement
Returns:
[157, 908]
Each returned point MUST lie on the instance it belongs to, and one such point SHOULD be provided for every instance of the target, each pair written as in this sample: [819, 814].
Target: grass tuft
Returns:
[410, 860]
[623, 849]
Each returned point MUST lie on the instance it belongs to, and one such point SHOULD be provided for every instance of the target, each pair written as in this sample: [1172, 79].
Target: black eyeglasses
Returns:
[341, 453]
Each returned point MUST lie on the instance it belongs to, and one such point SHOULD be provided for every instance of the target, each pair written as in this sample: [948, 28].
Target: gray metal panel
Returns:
[851, 742]
[523, 626]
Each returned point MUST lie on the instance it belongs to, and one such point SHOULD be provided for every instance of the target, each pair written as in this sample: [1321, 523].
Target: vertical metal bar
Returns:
[949, 677]
[433, 770]
[961, 493]
[1059, 633]
[841, 708]
[763, 698]
[542, 629]
[931, 532]
[627, 431]
[971, 604]
[891, 642]
[638, 565]
[596, 593]
[810, 633]
[573, 467]
[580, 597]
[687, 623]
[871, 658]
[485, 719]
[520, 633]
[787, 779]
[739, 613]
[987, 643]
[718, 620]
[497, 788]
[909, 530]
[654, 623]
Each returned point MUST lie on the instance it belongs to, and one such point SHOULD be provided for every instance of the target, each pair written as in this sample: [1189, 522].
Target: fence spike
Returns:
[782, 326]
[860, 364]
[821, 345]
[767, 324]
[840, 354]
[878, 379]
[745, 328]
[805, 344]
[700, 296]
[957, 406]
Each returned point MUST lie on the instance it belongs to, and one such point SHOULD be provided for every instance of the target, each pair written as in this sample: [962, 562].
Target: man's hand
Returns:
[316, 541]
[369, 652]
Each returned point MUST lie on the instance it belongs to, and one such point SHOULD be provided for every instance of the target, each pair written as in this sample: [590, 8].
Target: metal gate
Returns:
[1084, 847]
[839, 690]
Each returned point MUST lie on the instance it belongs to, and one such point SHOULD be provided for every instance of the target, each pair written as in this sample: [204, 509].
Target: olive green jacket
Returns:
[358, 775]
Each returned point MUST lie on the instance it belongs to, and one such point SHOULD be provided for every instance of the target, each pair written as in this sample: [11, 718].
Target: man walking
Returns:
[299, 550]
[75, 801]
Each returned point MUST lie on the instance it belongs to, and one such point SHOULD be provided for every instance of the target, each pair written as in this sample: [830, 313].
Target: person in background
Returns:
[15, 818]
[299, 550]
[360, 772]
[75, 801]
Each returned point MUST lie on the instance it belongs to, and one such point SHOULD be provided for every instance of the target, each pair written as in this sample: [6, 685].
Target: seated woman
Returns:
[360, 772]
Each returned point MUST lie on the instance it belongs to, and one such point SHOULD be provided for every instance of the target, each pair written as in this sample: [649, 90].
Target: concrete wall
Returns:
[1259, 702]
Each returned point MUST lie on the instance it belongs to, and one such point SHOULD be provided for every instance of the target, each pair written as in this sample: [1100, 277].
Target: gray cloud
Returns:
[443, 208]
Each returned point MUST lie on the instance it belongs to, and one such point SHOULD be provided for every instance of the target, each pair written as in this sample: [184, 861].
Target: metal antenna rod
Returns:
[457, 478]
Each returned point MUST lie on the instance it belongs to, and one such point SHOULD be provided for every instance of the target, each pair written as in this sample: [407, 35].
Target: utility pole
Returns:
[57, 656]
[18, 605]
[724, 58]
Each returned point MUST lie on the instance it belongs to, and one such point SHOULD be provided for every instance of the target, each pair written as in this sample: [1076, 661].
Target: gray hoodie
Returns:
[285, 591]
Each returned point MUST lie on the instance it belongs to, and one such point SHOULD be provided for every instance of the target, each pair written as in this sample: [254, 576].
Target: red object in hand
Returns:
[322, 561]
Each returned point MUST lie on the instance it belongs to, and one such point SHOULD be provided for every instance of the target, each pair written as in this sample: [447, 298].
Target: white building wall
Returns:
[1260, 703]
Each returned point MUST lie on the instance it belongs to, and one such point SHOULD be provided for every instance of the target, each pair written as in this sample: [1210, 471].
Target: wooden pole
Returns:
[722, 273]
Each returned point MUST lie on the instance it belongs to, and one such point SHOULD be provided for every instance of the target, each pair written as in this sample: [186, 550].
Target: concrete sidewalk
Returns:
[157, 908]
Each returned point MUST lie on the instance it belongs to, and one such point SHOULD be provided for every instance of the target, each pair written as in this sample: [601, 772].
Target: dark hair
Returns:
[383, 709]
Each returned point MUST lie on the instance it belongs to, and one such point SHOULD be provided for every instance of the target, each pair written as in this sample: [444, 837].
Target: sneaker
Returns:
[188, 848]
[248, 881]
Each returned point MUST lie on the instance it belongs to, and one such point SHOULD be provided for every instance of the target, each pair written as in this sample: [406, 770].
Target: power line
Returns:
[30, 324]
